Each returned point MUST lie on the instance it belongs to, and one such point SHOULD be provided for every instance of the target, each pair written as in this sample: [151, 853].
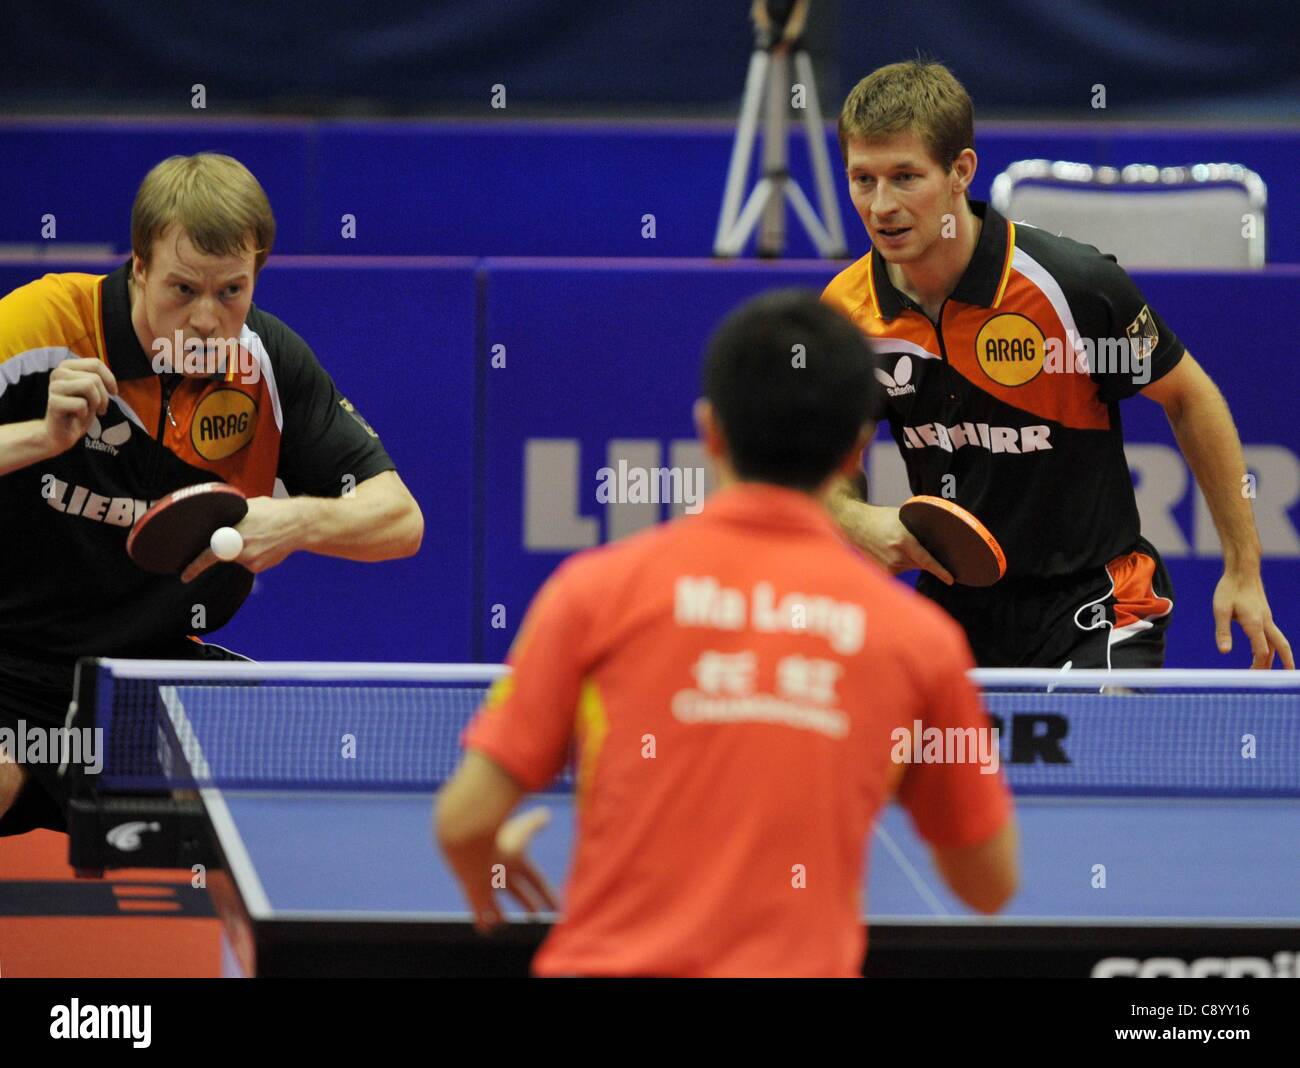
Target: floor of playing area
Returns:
[154, 923]
[140, 923]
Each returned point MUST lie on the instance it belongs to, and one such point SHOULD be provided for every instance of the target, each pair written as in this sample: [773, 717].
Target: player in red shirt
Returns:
[734, 682]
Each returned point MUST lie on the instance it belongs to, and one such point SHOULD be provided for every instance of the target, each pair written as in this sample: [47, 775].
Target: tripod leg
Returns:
[816, 133]
[771, 237]
[764, 193]
[741, 151]
[802, 208]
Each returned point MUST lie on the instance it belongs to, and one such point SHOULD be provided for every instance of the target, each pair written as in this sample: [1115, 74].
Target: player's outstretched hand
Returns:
[1243, 599]
[511, 871]
[78, 392]
[522, 880]
[880, 533]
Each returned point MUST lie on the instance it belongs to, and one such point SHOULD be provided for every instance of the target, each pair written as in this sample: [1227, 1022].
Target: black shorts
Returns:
[1113, 616]
[35, 694]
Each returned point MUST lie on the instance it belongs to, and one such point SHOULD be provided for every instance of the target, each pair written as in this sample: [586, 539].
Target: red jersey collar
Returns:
[764, 504]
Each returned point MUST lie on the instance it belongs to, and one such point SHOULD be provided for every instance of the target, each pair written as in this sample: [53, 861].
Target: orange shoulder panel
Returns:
[1020, 353]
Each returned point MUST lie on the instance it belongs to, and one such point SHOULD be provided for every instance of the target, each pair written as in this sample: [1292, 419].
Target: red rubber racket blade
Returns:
[172, 534]
[955, 538]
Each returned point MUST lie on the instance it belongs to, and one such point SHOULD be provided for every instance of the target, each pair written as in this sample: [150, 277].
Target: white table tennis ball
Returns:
[227, 543]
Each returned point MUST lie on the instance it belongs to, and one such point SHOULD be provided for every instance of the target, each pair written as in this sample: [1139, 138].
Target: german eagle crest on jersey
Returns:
[1143, 334]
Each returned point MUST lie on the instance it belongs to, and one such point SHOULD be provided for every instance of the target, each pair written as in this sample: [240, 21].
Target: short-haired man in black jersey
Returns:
[112, 395]
[1005, 352]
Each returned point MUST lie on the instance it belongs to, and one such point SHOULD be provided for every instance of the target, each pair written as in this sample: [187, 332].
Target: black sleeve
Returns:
[22, 397]
[325, 445]
[1150, 350]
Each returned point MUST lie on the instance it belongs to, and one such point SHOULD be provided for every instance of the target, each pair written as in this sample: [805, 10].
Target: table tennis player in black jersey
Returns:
[118, 390]
[1006, 352]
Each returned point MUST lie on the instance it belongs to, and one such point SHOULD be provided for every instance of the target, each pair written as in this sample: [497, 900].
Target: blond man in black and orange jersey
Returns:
[1006, 352]
[117, 390]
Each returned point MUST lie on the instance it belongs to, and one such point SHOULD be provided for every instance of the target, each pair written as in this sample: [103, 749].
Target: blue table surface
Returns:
[316, 854]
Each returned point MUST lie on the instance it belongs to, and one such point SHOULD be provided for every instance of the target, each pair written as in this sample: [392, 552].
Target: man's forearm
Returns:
[472, 861]
[378, 521]
[1209, 441]
[23, 444]
[848, 509]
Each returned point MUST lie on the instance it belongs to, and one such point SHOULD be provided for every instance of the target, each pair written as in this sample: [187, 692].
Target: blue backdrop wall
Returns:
[512, 188]
[502, 387]
[597, 354]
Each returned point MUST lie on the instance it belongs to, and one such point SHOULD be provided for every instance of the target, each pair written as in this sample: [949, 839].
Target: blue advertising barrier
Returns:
[516, 188]
[572, 189]
[601, 365]
[82, 175]
[1240, 328]
[503, 387]
[398, 339]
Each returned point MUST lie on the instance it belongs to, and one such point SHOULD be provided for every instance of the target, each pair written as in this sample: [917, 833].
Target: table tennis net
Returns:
[399, 728]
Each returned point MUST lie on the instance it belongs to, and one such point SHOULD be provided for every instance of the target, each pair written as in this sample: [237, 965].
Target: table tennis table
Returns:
[336, 883]
[312, 877]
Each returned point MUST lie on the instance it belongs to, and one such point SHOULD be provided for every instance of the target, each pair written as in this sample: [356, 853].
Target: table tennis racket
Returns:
[176, 530]
[955, 538]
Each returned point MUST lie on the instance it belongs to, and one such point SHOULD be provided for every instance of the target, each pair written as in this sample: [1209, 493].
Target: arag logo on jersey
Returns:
[1010, 349]
[899, 383]
[109, 440]
[223, 423]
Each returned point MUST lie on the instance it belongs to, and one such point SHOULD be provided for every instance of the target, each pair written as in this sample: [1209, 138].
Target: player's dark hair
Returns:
[790, 380]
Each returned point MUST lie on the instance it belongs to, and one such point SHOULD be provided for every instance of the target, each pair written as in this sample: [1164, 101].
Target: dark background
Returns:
[1020, 58]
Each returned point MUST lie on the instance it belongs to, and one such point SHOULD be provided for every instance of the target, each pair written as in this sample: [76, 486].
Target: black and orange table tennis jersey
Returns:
[67, 585]
[733, 681]
[283, 419]
[1008, 405]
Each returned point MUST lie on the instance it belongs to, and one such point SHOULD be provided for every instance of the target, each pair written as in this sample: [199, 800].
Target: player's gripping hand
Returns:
[78, 392]
[880, 533]
[270, 532]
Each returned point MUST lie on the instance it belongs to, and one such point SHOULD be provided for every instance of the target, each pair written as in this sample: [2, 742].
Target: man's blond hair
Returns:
[918, 96]
[216, 201]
